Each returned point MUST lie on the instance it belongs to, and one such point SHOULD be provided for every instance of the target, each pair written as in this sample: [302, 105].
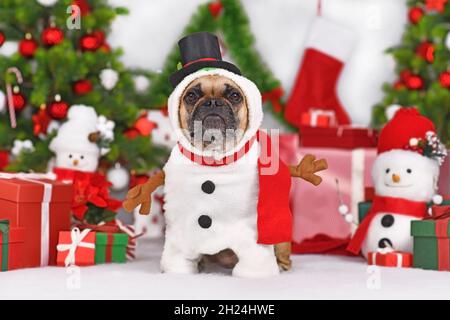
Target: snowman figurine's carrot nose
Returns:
[395, 178]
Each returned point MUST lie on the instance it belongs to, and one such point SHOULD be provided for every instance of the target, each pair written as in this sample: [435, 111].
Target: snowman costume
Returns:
[405, 178]
[215, 201]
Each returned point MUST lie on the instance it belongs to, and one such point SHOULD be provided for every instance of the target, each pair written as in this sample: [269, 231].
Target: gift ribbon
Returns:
[45, 206]
[76, 237]
[316, 113]
[274, 97]
[4, 240]
[385, 251]
[109, 247]
[441, 215]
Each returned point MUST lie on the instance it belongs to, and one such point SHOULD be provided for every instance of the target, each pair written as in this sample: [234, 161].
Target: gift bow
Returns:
[385, 250]
[274, 97]
[440, 213]
[28, 176]
[76, 237]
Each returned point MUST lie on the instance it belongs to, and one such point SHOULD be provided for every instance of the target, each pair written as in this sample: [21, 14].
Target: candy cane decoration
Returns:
[9, 93]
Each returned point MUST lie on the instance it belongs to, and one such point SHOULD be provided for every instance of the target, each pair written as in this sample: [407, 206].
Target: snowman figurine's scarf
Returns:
[274, 215]
[386, 204]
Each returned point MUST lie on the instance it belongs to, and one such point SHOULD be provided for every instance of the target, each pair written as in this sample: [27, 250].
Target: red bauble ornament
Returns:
[426, 51]
[58, 108]
[41, 121]
[28, 46]
[415, 14]
[144, 126]
[215, 8]
[52, 36]
[444, 79]
[414, 82]
[2, 38]
[83, 5]
[405, 75]
[19, 101]
[90, 42]
[82, 87]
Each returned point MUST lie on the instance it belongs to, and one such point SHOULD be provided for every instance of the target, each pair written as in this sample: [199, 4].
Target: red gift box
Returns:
[318, 118]
[388, 258]
[41, 207]
[76, 248]
[338, 137]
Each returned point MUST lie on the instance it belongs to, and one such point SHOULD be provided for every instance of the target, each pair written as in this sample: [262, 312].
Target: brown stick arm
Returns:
[142, 194]
[307, 169]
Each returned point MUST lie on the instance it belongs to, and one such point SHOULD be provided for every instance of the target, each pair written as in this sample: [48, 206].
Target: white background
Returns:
[153, 27]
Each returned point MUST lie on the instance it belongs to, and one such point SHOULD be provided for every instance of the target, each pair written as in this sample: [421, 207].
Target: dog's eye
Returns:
[190, 97]
[235, 97]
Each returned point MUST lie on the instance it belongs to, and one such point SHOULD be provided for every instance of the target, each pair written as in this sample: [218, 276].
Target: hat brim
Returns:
[178, 76]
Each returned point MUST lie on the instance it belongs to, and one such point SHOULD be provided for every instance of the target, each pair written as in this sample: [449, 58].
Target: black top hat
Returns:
[200, 50]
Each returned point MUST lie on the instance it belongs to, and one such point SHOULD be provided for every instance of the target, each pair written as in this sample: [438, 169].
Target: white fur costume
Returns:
[231, 207]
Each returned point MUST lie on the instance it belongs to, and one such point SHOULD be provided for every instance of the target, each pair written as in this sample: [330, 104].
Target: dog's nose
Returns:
[213, 103]
[395, 178]
[218, 103]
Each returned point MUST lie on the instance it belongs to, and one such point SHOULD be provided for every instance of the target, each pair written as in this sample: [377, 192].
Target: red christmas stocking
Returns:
[327, 49]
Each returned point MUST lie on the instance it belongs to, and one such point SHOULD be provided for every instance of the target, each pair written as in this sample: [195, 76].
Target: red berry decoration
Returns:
[144, 126]
[90, 42]
[58, 108]
[28, 46]
[426, 51]
[444, 79]
[2, 38]
[414, 82]
[52, 36]
[215, 8]
[82, 87]
[415, 14]
[131, 133]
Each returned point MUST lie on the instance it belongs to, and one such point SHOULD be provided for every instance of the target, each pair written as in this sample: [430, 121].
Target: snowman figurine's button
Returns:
[204, 221]
[387, 220]
[208, 187]
[385, 242]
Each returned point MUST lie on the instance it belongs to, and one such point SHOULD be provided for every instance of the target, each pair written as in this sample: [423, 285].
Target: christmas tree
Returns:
[65, 60]
[423, 66]
[228, 20]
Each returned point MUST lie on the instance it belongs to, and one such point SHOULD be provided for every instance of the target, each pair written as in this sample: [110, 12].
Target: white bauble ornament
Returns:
[9, 48]
[47, 3]
[141, 83]
[437, 199]
[343, 209]
[119, 177]
[447, 41]
[2, 101]
[109, 78]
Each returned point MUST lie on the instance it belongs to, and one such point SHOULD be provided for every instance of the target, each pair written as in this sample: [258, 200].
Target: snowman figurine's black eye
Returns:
[70, 156]
[409, 170]
[388, 170]
[82, 157]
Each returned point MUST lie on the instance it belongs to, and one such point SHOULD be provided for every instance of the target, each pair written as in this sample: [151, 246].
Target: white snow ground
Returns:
[313, 277]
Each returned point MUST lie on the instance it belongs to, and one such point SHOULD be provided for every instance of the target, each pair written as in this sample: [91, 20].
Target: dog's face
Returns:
[213, 113]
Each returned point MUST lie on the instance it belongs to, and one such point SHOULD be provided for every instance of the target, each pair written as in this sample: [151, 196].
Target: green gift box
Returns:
[431, 244]
[11, 246]
[110, 247]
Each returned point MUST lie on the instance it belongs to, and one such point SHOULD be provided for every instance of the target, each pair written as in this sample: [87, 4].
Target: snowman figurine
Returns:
[405, 176]
[75, 144]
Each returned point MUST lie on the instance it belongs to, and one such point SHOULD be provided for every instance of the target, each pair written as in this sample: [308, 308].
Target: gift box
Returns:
[76, 247]
[318, 225]
[432, 240]
[11, 247]
[111, 247]
[318, 118]
[41, 207]
[390, 258]
[338, 137]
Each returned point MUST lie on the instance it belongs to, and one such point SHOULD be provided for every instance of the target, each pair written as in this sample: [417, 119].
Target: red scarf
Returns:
[274, 214]
[385, 204]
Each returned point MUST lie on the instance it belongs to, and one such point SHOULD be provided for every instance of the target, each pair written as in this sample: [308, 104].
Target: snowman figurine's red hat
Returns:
[409, 130]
